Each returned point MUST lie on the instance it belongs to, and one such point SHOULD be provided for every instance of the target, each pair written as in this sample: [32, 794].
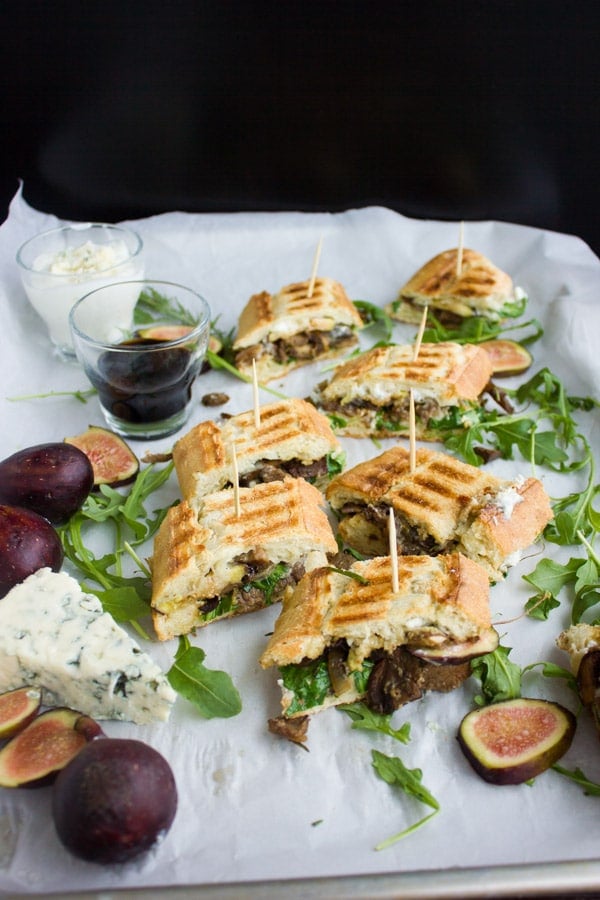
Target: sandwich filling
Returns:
[371, 393]
[345, 635]
[297, 325]
[455, 291]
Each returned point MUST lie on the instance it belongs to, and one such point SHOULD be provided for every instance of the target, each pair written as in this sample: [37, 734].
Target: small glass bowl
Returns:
[61, 265]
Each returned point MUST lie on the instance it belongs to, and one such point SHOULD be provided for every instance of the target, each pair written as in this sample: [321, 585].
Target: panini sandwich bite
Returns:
[455, 291]
[348, 636]
[292, 438]
[284, 331]
[369, 395]
[220, 559]
[443, 505]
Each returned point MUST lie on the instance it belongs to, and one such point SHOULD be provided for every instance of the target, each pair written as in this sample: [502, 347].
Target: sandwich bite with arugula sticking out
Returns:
[291, 438]
[302, 323]
[369, 395]
[439, 506]
[457, 285]
[236, 552]
[347, 635]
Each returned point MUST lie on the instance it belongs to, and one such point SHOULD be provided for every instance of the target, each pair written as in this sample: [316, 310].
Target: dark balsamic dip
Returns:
[145, 387]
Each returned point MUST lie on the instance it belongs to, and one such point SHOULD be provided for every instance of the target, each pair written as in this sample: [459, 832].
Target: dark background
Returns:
[458, 110]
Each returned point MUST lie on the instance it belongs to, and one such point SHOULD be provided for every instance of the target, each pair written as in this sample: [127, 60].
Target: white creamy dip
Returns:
[57, 280]
[88, 258]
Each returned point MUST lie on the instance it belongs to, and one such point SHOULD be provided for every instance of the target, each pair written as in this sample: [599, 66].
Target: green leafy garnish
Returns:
[152, 306]
[375, 316]
[216, 361]
[590, 788]
[500, 678]
[125, 512]
[335, 463]
[268, 584]
[81, 395]
[212, 692]
[393, 771]
[364, 719]
[476, 329]
[310, 683]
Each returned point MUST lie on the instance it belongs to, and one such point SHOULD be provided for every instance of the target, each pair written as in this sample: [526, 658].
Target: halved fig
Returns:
[508, 357]
[17, 709]
[34, 756]
[515, 740]
[113, 461]
[164, 332]
[454, 654]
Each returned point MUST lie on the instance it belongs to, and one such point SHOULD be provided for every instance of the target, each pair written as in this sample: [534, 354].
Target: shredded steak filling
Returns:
[410, 539]
[248, 596]
[276, 471]
[304, 346]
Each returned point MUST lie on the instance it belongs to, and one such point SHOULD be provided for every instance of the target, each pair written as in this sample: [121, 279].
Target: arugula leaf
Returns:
[216, 361]
[500, 678]
[268, 584]
[365, 719]
[131, 526]
[393, 771]
[335, 463]
[211, 691]
[310, 683]
[152, 306]
[476, 329]
[81, 395]
[375, 316]
[590, 788]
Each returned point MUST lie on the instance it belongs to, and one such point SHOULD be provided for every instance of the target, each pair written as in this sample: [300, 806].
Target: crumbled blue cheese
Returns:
[508, 498]
[87, 258]
[55, 636]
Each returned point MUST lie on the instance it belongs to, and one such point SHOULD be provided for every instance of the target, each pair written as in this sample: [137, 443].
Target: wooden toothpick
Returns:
[256, 402]
[236, 482]
[420, 332]
[313, 277]
[459, 254]
[393, 552]
[412, 432]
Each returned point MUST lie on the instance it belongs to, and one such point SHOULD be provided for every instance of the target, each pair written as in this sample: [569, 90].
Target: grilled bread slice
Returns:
[370, 394]
[211, 563]
[479, 289]
[337, 629]
[284, 331]
[443, 505]
[293, 437]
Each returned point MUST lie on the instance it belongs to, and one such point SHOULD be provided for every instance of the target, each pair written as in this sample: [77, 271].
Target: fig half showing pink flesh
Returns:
[34, 756]
[513, 741]
[450, 654]
[17, 709]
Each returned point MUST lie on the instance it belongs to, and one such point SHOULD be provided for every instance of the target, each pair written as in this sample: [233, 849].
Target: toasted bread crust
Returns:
[304, 325]
[291, 311]
[457, 505]
[481, 288]
[197, 555]
[447, 371]
[369, 393]
[444, 598]
[288, 429]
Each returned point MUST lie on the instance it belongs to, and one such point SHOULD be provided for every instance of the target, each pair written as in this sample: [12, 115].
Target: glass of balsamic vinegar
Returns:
[144, 373]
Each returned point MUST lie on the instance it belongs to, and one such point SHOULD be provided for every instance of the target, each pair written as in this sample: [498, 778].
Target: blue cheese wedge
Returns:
[55, 636]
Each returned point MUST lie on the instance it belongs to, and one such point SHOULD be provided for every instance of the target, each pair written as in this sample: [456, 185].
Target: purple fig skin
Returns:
[52, 480]
[34, 756]
[28, 542]
[114, 801]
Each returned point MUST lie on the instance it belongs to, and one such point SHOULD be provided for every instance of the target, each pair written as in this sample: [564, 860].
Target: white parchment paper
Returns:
[251, 806]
